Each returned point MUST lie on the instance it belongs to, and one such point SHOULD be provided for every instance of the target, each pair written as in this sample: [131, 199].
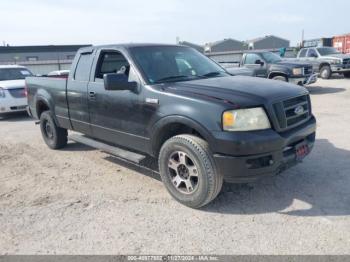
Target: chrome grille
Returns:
[307, 70]
[17, 92]
[292, 112]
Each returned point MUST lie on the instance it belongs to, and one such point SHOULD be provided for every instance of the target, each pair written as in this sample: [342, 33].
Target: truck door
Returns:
[77, 93]
[312, 58]
[252, 61]
[115, 115]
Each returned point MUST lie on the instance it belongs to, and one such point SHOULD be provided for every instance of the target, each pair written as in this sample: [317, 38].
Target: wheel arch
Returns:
[323, 64]
[277, 73]
[176, 125]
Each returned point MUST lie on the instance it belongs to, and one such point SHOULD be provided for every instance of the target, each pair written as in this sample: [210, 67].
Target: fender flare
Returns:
[44, 100]
[278, 72]
[159, 126]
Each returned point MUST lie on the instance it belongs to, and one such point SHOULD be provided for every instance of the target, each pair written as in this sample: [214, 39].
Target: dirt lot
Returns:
[79, 200]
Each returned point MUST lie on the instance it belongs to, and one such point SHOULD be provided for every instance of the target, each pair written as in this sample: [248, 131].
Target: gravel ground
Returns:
[82, 201]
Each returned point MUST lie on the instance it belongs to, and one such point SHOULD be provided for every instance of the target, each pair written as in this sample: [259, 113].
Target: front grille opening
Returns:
[292, 112]
[259, 162]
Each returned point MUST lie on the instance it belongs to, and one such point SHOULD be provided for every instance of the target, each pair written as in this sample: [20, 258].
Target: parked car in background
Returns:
[12, 88]
[326, 61]
[270, 65]
[175, 104]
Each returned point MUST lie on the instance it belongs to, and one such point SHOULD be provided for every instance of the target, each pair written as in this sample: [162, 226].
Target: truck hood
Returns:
[239, 90]
[292, 63]
[12, 84]
[342, 56]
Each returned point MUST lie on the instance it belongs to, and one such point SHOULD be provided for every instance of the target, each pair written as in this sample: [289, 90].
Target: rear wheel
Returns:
[188, 170]
[55, 137]
[325, 72]
[347, 74]
[280, 78]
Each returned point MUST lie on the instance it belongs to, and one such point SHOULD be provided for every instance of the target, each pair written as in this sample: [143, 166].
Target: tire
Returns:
[201, 183]
[280, 78]
[55, 137]
[347, 74]
[325, 72]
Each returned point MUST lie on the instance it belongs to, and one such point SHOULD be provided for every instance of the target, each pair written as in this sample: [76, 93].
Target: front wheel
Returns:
[325, 72]
[55, 137]
[347, 74]
[280, 78]
[188, 170]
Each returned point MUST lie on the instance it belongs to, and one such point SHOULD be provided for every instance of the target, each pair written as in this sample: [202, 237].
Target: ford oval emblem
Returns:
[299, 110]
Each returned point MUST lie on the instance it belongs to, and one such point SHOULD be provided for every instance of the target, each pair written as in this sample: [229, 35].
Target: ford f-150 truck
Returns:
[175, 104]
[269, 65]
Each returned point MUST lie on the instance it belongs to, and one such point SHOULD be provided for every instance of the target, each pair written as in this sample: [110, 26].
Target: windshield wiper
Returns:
[210, 74]
[171, 78]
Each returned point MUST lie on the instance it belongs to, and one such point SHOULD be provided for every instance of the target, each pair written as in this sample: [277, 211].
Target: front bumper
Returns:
[305, 80]
[260, 153]
[340, 68]
[9, 104]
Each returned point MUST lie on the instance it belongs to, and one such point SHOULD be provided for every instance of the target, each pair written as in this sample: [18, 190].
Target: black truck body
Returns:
[269, 65]
[132, 110]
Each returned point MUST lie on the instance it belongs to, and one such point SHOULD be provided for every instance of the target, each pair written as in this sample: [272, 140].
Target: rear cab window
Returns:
[82, 71]
[302, 53]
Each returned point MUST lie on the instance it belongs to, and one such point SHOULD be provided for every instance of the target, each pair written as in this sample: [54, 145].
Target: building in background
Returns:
[268, 42]
[318, 42]
[195, 46]
[225, 45]
[342, 43]
[40, 59]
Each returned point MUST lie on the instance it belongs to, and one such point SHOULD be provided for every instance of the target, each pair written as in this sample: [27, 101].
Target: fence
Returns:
[43, 67]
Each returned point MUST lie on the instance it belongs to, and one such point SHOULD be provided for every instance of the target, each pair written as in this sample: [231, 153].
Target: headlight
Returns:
[297, 71]
[245, 120]
[336, 61]
[2, 93]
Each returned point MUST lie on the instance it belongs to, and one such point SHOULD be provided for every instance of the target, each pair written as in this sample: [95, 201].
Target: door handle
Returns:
[91, 94]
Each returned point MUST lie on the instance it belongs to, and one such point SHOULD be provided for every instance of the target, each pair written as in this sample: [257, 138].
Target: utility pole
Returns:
[302, 38]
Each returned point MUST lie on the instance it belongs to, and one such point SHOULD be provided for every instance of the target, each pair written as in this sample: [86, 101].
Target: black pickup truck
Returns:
[175, 104]
[269, 65]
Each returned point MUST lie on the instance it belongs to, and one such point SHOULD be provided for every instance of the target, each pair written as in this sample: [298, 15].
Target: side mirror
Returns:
[118, 82]
[259, 62]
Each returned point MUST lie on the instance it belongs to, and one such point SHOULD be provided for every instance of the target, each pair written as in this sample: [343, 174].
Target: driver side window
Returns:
[312, 53]
[250, 59]
[112, 62]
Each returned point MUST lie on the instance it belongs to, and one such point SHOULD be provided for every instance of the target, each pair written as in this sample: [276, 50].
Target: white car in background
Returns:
[13, 96]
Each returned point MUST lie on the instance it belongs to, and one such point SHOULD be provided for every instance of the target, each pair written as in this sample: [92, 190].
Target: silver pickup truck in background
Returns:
[326, 61]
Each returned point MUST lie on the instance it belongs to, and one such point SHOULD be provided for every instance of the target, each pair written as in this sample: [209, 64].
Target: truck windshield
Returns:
[174, 63]
[270, 57]
[13, 73]
[327, 50]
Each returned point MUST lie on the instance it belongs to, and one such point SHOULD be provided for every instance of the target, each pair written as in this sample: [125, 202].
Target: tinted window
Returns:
[174, 63]
[250, 59]
[14, 73]
[327, 50]
[302, 53]
[82, 72]
[271, 57]
[112, 62]
[312, 53]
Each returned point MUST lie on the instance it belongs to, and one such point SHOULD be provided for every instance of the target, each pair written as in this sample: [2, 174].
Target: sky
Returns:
[48, 22]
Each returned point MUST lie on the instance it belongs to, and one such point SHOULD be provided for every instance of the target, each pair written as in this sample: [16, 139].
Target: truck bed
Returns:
[44, 87]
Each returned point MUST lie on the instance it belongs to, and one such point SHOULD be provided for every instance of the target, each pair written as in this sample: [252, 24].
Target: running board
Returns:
[115, 151]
